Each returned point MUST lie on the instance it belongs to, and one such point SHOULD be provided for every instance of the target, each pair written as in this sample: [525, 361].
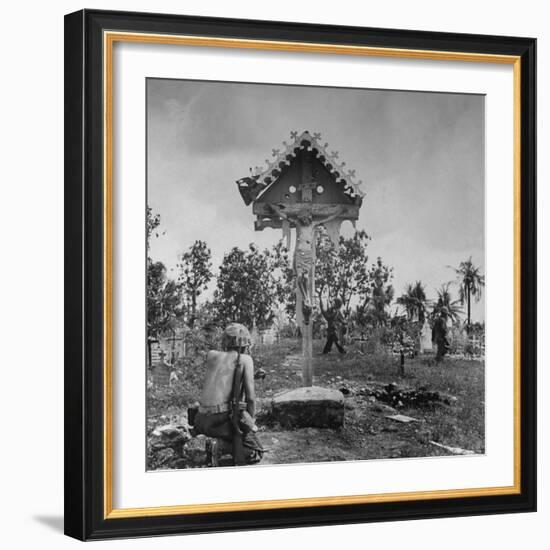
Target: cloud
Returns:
[420, 156]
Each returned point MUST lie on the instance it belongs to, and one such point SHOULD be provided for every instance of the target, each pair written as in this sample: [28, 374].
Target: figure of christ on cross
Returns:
[304, 251]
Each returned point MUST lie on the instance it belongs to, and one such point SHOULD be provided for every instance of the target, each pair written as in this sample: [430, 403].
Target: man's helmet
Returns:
[236, 335]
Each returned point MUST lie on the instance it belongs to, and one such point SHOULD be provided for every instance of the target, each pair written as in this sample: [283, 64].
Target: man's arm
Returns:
[338, 213]
[279, 211]
[248, 380]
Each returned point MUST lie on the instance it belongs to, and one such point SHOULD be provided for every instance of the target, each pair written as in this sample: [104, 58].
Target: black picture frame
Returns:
[84, 282]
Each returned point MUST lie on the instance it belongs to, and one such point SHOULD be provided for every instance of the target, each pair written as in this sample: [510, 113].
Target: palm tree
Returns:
[445, 300]
[415, 302]
[470, 281]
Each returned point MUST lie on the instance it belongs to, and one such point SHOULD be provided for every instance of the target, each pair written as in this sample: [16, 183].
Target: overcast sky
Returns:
[420, 156]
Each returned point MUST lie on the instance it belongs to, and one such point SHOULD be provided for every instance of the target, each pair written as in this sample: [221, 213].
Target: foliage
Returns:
[284, 278]
[345, 273]
[477, 329]
[414, 302]
[152, 224]
[342, 273]
[445, 299]
[471, 282]
[248, 286]
[164, 300]
[194, 275]
[374, 310]
[404, 334]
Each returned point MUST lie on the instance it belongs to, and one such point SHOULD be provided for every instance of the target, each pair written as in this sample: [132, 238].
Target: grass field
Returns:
[368, 433]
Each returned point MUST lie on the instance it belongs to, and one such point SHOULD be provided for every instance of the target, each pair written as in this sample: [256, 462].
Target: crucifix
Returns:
[307, 187]
[302, 189]
[304, 269]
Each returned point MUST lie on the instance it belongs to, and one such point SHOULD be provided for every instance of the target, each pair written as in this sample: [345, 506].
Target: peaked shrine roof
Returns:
[261, 178]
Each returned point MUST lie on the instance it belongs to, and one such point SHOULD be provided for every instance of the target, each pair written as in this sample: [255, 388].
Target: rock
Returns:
[156, 443]
[402, 418]
[448, 398]
[345, 391]
[179, 464]
[165, 455]
[312, 406]
[195, 451]
[453, 450]
[170, 435]
[380, 407]
[424, 434]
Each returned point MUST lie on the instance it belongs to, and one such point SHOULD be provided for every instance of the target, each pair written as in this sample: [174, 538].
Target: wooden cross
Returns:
[307, 181]
[307, 187]
[174, 339]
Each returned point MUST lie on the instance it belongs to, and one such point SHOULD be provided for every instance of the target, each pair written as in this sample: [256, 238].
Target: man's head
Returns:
[444, 312]
[305, 219]
[236, 337]
[337, 303]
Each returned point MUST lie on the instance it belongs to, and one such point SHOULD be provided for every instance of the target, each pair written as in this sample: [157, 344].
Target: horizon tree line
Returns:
[252, 284]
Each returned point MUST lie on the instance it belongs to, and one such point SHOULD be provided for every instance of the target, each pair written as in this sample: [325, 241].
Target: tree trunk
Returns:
[468, 300]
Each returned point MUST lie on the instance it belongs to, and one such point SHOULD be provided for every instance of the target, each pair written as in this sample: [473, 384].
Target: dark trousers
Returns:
[332, 339]
[218, 425]
[442, 349]
[245, 448]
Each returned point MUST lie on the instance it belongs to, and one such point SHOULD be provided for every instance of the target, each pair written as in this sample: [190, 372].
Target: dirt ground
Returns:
[456, 422]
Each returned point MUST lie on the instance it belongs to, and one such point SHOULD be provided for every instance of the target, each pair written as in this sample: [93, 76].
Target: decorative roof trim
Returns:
[265, 176]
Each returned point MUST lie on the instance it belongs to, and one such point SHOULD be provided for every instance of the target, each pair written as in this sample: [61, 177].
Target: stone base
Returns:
[309, 407]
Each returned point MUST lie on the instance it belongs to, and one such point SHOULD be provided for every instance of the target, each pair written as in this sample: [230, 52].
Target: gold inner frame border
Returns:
[109, 39]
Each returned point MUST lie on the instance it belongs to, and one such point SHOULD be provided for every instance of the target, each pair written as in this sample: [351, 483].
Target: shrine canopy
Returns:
[303, 179]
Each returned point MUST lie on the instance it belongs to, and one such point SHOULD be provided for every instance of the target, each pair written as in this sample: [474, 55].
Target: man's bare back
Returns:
[218, 383]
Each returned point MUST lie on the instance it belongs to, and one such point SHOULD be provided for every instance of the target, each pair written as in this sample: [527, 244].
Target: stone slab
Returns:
[309, 407]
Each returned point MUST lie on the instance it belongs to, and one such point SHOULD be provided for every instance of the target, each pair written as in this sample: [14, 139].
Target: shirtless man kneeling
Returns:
[223, 414]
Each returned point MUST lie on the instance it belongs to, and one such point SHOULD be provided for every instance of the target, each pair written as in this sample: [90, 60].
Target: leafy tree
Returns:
[343, 273]
[247, 287]
[194, 275]
[403, 335]
[471, 282]
[445, 299]
[153, 222]
[382, 293]
[164, 301]
[283, 278]
[414, 302]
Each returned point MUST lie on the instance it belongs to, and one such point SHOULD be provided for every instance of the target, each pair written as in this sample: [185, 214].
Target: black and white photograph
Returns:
[315, 274]
[275, 272]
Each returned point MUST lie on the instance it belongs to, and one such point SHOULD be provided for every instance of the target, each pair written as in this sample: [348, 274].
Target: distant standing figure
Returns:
[335, 326]
[439, 334]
